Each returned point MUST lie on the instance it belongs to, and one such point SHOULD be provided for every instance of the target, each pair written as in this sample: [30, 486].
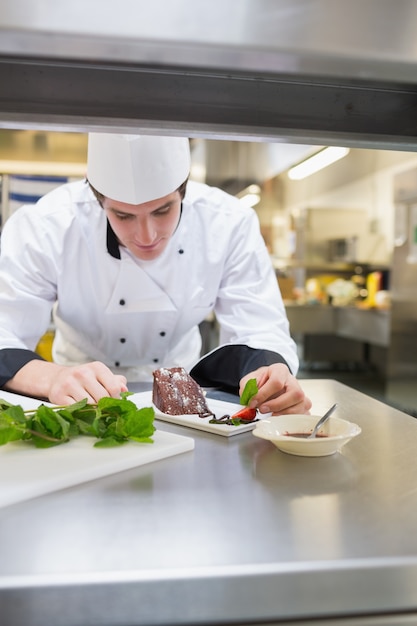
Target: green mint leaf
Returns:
[9, 433]
[250, 390]
[113, 406]
[98, 427]
[139, 423]
[74, 431]
[83, 428]
[40, 442]
[109, 442]
[87, 415]
[14, 413]
[142, 439]
[73, 408]
[50, 422]
[4, 404]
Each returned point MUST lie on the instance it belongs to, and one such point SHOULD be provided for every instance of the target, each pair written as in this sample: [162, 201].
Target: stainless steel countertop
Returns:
[233, 532]
[367, 325]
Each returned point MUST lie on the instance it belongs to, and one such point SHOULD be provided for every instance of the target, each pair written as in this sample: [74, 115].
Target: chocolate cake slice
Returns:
[176, 393]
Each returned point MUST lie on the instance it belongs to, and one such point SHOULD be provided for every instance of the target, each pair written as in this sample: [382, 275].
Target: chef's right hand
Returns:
[62, 384]
[90, 380]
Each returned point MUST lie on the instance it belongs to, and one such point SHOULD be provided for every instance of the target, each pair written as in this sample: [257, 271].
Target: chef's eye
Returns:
[163, 211]
[123, 216]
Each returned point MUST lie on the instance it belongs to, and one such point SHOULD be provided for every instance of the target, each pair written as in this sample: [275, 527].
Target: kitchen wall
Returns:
[363, 180]
[42, 153]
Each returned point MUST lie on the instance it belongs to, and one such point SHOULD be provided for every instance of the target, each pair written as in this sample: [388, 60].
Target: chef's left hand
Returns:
[279, 391]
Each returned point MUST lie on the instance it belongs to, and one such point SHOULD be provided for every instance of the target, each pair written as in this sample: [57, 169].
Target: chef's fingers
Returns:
[279, 391]
[271, 380]
[99, 381]
[287, 398]
[90, 380]
[260, 375]
[293, 400]
[114, 384]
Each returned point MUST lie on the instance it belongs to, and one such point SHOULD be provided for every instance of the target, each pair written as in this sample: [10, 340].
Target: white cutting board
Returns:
[27, 472]
[218, 407]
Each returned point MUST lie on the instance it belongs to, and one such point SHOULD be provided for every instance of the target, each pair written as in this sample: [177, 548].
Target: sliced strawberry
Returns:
[246, 414]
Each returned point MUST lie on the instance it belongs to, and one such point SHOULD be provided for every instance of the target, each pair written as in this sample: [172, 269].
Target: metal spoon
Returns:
[321, 421]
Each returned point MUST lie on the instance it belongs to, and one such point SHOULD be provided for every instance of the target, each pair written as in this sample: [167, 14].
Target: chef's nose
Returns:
[145, 232]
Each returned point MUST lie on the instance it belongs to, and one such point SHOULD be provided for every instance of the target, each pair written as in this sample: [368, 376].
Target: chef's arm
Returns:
[59, 384]
[225, 366]
[230, 367]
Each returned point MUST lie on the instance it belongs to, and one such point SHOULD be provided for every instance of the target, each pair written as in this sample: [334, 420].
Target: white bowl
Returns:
[335, 433]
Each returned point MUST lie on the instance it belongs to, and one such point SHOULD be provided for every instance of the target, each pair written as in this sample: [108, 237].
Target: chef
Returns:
[128, 263]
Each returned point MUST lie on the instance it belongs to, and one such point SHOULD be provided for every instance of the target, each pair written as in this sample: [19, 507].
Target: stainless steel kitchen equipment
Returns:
[402, 361]
[306, 71]
[222, 534]
[343, 250]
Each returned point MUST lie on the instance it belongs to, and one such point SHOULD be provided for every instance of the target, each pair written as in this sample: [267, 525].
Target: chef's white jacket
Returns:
[61, 256]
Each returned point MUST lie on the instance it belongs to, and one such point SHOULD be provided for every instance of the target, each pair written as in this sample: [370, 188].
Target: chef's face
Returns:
[144, 229]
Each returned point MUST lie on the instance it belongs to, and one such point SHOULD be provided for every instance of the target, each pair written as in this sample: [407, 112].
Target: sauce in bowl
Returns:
[306, 435]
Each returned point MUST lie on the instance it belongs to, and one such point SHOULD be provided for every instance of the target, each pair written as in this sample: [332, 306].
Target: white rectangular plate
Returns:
[218, 407]
[27, 472]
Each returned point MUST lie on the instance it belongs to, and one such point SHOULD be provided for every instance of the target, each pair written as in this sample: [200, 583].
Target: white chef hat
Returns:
[137, 168]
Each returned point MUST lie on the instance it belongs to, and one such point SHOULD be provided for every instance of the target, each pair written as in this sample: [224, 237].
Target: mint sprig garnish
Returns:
[113, 421]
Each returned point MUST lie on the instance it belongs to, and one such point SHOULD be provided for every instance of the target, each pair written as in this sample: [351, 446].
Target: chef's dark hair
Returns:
[100, 197]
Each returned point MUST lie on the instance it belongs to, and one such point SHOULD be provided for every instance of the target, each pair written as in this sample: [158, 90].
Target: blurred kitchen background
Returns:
[343, 241]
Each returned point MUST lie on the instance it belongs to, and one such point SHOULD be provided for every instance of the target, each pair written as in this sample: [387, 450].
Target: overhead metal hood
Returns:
[293, 71]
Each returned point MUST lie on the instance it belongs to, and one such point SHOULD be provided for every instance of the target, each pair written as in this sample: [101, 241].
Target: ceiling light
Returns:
[250, 199]
[253, 189]
[318, 161]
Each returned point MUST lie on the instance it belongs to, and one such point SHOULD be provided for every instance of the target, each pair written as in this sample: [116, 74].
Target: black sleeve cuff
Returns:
[12, 359]
[224, 367]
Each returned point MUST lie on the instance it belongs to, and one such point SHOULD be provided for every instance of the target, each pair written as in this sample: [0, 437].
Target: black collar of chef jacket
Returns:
[113, 245]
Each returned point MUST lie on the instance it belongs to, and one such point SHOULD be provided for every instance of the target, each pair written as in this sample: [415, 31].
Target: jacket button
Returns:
[122, 302]
[162, 333]
[180, 251]
[117, 364]
[122, 340]
[155, 360]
